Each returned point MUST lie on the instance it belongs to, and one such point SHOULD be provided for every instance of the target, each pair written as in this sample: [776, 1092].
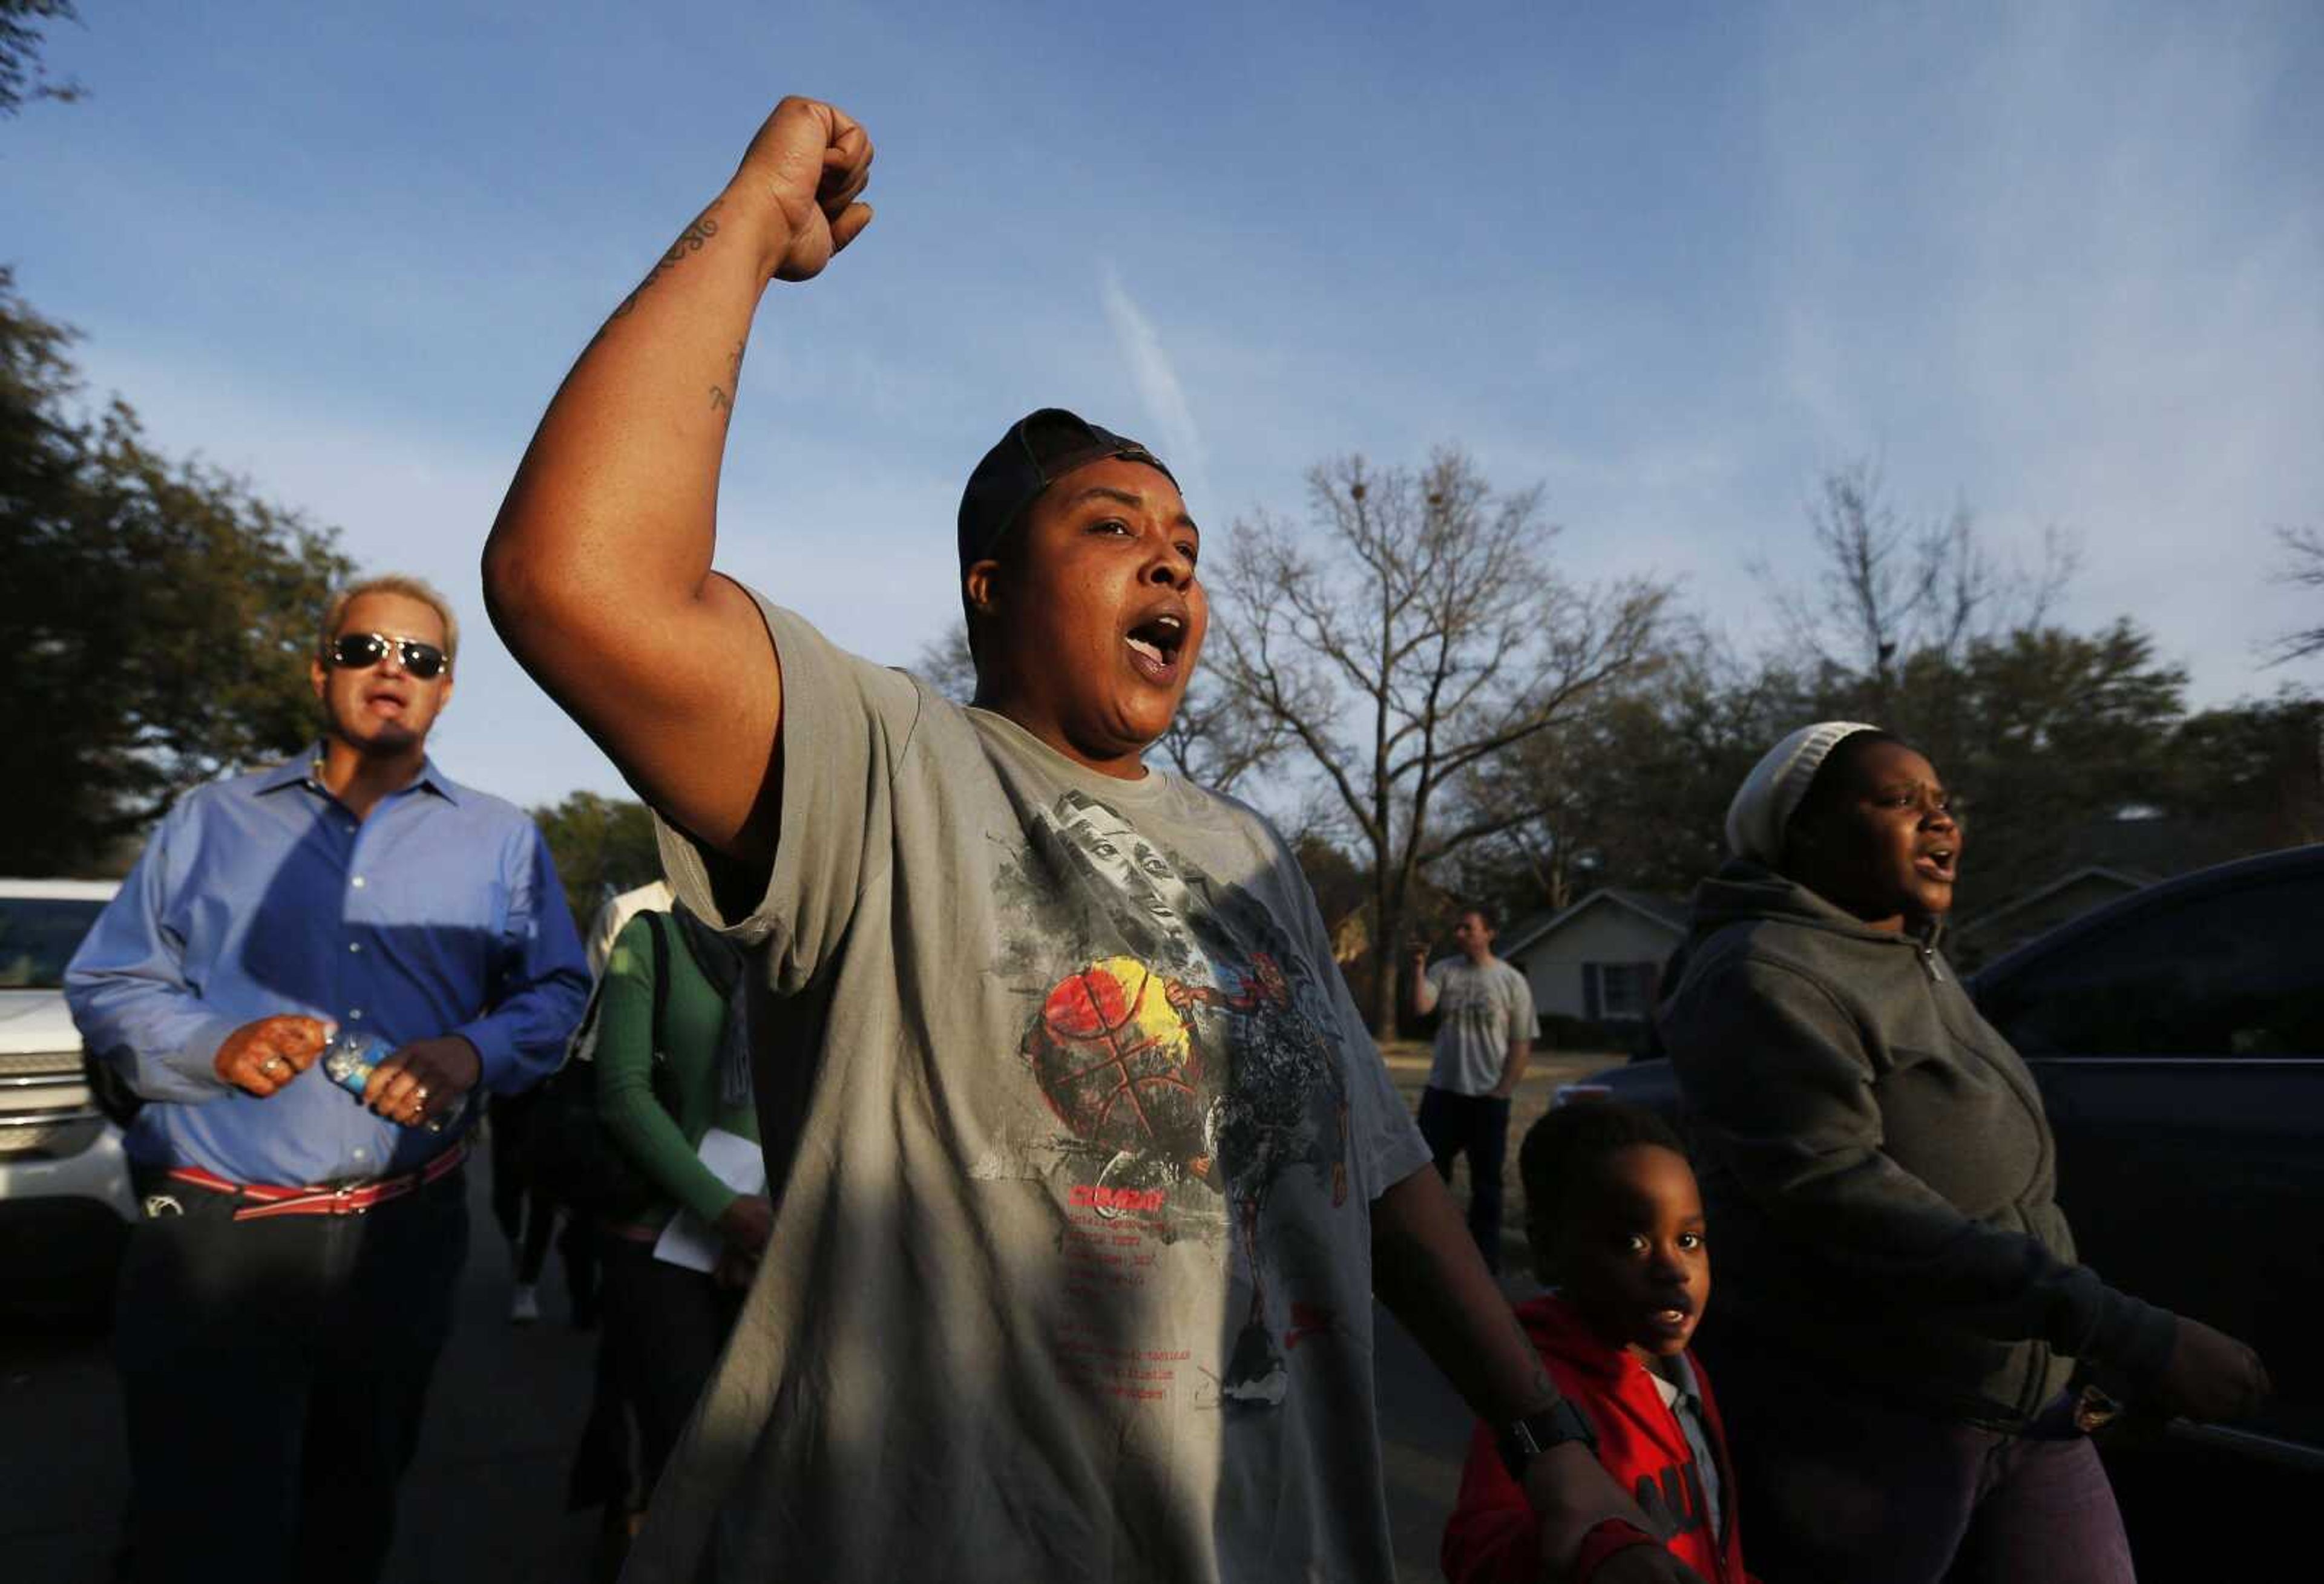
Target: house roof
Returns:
[2127, 879]
[1663, 912]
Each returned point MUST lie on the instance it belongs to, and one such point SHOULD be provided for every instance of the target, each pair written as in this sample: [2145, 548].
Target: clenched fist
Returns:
[2210, 1376]
[808, 165]
[261, 1058]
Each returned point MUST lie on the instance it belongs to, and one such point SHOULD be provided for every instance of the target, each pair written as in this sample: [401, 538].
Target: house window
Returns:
[1618, 992]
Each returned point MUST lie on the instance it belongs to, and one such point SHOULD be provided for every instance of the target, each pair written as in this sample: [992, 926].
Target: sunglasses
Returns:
[360, 651]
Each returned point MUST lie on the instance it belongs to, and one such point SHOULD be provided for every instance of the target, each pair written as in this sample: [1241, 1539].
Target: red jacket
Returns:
[1493, 1538]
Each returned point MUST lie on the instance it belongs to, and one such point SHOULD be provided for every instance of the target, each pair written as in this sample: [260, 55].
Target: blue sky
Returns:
[2062, 263]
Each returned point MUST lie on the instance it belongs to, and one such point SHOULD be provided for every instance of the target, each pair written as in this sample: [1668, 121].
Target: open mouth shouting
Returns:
[1937, 863]
[1156, 644]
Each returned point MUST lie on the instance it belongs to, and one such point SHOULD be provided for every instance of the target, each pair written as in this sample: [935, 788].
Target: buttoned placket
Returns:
[352, 864]
[342, 819]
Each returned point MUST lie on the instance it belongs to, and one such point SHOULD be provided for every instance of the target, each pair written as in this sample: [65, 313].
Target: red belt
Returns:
[351, 1200]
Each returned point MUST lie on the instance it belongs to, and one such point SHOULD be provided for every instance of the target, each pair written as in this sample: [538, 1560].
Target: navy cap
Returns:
[1039, 450]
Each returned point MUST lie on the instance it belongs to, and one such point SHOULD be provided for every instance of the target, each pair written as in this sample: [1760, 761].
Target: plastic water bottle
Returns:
[349, 1059]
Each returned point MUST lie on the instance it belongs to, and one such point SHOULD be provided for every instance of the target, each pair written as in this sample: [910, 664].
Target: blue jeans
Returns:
[1479, 1126]
[1849, 1489]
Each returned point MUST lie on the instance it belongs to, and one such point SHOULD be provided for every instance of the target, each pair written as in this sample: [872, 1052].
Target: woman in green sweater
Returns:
[666, 1322]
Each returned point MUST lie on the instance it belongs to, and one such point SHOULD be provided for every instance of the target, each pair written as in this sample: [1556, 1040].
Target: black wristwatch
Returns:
[1535, 1433]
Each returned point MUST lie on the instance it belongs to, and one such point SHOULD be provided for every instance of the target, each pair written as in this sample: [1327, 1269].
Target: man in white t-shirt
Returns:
[1089, 1172]
[1484, 1038]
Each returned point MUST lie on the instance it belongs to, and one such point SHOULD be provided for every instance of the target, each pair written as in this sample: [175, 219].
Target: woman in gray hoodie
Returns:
[1901, 1304]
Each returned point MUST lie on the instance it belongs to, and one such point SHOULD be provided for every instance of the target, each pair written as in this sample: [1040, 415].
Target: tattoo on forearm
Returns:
[722, 398]
[691, 240]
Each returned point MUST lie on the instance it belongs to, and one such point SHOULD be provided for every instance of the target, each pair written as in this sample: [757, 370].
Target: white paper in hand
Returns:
[734, 1161]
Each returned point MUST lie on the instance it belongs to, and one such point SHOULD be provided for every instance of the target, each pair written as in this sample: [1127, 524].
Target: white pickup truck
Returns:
[66, 1203]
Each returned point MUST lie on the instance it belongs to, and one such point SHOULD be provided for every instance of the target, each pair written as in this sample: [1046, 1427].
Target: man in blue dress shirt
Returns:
[283, 1304]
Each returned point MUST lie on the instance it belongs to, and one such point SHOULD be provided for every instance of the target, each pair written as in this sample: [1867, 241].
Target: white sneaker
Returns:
[524, 1308]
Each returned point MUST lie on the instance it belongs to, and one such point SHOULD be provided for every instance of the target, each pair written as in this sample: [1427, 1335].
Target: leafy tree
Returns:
[158, 614]
[2050, 737]
[1632, 789]
[601, 846]
[1416, 635]
[2249, 777]
[21, 75]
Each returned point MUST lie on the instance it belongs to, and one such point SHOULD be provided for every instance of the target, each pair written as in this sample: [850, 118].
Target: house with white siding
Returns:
[1600, 961]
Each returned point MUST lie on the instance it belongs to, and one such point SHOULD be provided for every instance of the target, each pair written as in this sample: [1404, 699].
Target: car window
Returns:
[38, 936]
[2223, 972]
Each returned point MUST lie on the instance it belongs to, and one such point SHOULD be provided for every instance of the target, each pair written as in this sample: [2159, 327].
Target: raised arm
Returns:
[1423, 988]
[598, 570]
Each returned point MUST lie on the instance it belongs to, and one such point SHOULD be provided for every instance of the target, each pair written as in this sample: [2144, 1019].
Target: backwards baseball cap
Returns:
[1039, 450]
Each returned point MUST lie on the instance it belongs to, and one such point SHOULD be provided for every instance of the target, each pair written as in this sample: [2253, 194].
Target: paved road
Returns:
[485, 1506]
[486, 1501]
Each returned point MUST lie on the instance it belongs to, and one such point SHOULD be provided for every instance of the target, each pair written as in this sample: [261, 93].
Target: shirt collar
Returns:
[291, 772]
[300, 770]
[1679, 1384]
[438, 782]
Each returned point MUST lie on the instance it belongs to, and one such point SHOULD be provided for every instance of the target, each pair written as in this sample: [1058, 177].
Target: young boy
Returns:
[1616, 1223]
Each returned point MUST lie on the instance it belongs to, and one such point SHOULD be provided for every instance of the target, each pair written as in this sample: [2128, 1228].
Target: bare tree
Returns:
[1892, 588]
[1214, 741]
[946, 665]
[1422, 635]
[2304, 567]
[1629, 788]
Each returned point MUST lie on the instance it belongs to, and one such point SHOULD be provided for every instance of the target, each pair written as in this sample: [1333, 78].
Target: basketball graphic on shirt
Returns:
[1116, 1061]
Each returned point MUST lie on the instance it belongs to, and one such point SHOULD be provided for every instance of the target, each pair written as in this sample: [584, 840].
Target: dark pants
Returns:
[1850, 1489]
[1479, 1126]
[528, 1217]
[274, 1375]
[665, 1326]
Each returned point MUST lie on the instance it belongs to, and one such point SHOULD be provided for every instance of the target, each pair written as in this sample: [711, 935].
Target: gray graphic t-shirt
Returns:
[1479, 1010]
[1075, 1133]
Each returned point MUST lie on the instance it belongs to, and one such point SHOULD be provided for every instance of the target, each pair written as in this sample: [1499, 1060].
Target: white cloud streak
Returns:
[1165, 399]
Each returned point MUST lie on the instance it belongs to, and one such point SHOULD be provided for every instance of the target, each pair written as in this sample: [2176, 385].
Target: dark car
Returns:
[2177, 1038]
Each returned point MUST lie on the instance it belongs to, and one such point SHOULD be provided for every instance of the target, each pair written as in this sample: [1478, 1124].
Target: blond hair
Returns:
[392, 583]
